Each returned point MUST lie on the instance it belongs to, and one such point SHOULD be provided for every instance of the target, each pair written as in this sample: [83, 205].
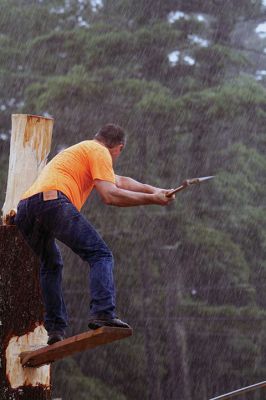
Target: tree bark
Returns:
[150, 335]
[21, 309]
[179, 379]
[21, 316]
[153, 379]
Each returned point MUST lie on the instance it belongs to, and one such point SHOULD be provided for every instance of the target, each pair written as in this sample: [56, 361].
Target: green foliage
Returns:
[242, 95]
[221, 265]
[60, 50]
[71, 381]
[140, 12]
[160, 103]
[19, 21]
[75, 85]
[236, 182]
[214, 60]
[159, 35]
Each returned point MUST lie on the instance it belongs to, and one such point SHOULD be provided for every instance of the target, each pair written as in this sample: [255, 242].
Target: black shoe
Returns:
[55, 337]
[96, 322]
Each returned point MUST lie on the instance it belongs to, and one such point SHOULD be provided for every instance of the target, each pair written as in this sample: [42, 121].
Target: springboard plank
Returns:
[74, 344]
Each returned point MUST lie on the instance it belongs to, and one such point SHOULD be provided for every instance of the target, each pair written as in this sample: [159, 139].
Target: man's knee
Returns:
[109, 254]
[101, 252]
[104, 252]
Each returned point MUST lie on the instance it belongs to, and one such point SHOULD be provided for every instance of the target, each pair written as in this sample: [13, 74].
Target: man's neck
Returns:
[98, 141]
[111, 154]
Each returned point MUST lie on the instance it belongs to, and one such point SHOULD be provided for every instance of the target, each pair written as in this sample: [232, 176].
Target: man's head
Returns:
[113, 137]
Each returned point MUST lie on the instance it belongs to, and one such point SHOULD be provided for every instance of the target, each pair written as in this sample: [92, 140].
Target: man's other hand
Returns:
[161, 199]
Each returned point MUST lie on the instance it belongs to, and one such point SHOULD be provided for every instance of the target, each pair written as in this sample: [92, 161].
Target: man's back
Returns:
[73, 171]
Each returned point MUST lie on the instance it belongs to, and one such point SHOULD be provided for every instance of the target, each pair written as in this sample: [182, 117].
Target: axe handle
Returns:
[184, 185]
[178, 189]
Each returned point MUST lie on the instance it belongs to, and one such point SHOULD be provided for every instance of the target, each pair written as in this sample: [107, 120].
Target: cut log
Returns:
[69, 346]
[21, 309]
[21, 315]
[29, 147]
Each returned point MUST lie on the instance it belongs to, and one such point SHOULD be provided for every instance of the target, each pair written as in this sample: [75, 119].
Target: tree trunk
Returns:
[29, 147]
[21, 314]
[179, 380]
[150, 335]
[153, 379]
[21, 310]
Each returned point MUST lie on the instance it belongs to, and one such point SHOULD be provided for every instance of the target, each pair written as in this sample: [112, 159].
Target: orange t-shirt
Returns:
[73, 172]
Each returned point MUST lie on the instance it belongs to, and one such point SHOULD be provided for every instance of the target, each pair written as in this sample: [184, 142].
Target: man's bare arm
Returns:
[127, 183]
[113, 195]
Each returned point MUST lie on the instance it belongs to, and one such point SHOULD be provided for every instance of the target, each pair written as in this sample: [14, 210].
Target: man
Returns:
[50, 210]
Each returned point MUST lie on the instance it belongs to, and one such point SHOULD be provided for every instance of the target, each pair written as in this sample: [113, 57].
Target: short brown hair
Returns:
[111, 135]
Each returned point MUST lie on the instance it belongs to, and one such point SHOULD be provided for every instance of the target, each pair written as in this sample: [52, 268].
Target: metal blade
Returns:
[198, 180]
[205, 178]
[189, 182]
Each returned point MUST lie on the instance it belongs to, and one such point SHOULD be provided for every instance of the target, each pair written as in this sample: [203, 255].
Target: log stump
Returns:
[21, 309]
[21, 319]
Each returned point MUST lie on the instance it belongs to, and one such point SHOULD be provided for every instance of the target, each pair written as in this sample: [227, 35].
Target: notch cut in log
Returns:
[74, 344]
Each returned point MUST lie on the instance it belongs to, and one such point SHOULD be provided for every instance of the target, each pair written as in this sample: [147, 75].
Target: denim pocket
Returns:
[48, 215]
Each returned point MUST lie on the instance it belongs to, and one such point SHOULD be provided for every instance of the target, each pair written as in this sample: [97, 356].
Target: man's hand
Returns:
[165, 191]
[161, 199]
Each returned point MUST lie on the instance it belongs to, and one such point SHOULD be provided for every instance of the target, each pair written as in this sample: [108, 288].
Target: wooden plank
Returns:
[74, 344]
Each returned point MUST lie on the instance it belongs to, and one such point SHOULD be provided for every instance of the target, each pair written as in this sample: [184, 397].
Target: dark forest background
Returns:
[186, 79]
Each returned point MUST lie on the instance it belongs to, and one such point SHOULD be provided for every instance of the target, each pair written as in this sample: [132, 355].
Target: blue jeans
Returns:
[41, 222]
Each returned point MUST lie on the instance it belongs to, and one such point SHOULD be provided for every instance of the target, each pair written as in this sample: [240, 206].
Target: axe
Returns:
[187, 183]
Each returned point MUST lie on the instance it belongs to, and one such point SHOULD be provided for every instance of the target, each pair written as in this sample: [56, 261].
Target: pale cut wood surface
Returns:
[69, 346]
[30, 145]
[19, 376]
